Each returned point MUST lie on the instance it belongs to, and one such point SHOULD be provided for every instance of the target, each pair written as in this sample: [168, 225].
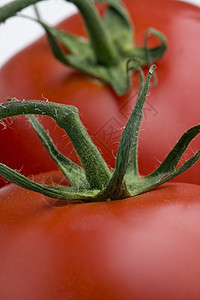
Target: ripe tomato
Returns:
[146, 247]
[171, 108]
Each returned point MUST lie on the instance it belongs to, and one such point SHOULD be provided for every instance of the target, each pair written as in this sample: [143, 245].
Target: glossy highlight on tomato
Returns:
[146, 247]
[172, 106]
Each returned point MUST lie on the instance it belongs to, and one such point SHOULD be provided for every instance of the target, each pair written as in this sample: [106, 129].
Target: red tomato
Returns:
[172, 106]
[146, 247]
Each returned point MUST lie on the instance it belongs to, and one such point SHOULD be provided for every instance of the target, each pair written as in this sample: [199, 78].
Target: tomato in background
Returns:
[146, 247]
[171, 108]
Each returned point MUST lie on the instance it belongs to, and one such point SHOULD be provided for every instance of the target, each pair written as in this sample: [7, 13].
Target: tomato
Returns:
[172, 105]
[146, 247]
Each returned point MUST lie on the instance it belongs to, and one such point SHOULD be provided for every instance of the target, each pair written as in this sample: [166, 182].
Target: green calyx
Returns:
[110, 53]
[93, 181]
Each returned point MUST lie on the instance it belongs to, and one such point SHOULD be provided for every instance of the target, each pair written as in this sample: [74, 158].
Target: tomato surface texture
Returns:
[171, 108]
[146, 247]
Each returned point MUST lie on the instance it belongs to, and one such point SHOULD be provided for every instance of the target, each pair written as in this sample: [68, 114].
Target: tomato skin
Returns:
[172, 106]
[146, 247]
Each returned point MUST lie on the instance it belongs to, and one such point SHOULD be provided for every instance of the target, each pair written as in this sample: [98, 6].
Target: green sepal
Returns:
[171, 161]
[58, 192]
[187, 165]
[74, 173]
[124, 181]
[83, 59]
[145, 184]
[67, 118]
[167, 169]
[127, 151]
[110, 45]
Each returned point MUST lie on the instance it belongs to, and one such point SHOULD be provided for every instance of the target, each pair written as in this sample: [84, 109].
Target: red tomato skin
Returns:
[172, 106]
[146, 247]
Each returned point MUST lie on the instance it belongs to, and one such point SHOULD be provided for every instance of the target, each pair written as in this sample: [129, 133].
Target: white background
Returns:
[18, 32]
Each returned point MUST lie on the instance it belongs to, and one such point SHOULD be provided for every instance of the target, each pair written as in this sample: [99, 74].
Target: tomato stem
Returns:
[10, 9]
[102, 44]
